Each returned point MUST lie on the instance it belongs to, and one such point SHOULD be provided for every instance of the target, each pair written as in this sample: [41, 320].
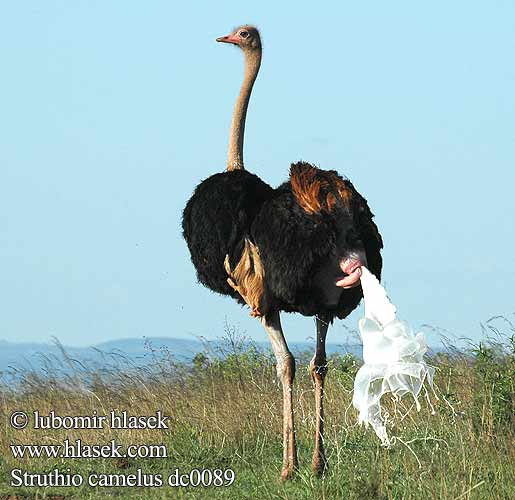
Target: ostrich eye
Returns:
[244, 34]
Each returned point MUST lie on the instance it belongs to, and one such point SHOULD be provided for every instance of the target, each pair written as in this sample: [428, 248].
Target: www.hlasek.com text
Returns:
[78, 449]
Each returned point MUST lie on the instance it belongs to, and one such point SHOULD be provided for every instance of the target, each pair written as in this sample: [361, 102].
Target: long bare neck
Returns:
[235, 156]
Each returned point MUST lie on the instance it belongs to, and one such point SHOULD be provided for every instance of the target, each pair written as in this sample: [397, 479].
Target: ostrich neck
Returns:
[235, 156]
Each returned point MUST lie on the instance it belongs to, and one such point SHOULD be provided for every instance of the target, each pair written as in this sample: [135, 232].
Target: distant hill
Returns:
[135, 351]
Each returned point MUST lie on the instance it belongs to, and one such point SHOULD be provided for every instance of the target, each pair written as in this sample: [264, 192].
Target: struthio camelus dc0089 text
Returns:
[296, 248]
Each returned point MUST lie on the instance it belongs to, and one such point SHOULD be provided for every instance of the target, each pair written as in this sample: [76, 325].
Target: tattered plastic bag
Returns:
[392, 355]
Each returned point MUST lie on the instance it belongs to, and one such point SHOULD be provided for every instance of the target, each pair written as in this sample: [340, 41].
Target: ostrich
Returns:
[296, 248]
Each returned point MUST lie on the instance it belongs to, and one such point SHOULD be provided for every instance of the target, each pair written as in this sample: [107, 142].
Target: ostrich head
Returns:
[246, 37]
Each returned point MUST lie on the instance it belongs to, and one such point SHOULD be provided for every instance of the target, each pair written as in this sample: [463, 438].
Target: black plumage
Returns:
[299, 247]
[296, 245]
[216, 221]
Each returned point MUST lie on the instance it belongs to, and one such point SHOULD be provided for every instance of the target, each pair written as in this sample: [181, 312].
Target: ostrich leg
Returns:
[318, 369]
[286, 373]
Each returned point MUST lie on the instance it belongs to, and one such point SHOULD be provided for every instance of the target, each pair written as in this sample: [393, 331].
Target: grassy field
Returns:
[227, 414]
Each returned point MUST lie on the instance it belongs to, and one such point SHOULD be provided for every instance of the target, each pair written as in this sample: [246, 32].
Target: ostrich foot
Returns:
[319, 465]
[287, 473]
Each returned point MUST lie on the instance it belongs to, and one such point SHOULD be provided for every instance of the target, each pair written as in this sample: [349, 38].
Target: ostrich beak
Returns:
[229, 39]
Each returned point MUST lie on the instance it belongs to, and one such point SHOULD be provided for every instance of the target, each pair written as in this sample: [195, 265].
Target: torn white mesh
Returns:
[392, 355]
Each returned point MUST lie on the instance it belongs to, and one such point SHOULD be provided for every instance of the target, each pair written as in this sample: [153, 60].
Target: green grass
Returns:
[227, 414]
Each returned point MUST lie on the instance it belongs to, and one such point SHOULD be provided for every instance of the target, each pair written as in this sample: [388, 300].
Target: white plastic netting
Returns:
[392, 355]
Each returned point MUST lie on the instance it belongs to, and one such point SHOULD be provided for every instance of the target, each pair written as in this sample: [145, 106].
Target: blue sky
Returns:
[113, 111]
